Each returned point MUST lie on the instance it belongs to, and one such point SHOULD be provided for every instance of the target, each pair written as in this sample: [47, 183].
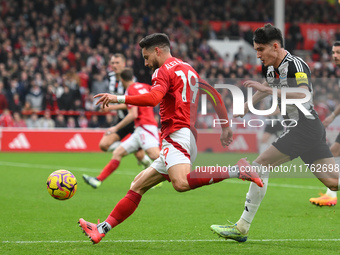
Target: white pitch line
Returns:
[71, 168]
[173, 241]
[129, 171]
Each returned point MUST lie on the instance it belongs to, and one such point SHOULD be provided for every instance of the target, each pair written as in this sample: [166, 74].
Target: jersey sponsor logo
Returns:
[76, 142]
[19, 142]
[301, 78]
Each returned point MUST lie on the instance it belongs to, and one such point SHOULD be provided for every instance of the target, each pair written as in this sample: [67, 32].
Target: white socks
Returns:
[253, 201]
[337, 162]
[104, 227]
[331, 193]
[146, 161]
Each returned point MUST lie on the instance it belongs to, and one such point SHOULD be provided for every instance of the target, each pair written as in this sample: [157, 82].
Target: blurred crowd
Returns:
[54, 54]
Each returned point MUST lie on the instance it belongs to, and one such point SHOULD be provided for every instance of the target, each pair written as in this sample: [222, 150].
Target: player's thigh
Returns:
[119, 152]
[326, 171]
[272, 157]
[109, 138]
[178, 176]
[335, 149]
[131, 144]
[146, 180]
[153, 153]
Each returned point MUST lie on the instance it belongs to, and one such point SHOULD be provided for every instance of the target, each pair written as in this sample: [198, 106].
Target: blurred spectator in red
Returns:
[83, 79]
[6, 119]
[82, 121]
[51, 102]
[18, 121]
[125, 19]
[71, 122]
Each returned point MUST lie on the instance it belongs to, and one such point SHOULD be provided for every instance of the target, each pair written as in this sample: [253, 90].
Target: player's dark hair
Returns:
[120, 55]
[127, 74]
[155, 40]
[268, 34]
[336, 43]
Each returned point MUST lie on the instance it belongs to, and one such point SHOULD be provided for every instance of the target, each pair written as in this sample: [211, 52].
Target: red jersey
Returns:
[146, 116]
[181, 87]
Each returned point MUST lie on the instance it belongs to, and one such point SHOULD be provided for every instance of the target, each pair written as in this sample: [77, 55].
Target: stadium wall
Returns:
[86, 140]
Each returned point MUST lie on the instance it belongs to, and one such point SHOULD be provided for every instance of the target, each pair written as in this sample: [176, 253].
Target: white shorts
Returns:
[144, 137]
[179, 148]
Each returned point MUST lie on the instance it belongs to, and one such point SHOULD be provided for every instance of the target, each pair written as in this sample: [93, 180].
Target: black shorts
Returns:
[337, 140]
[276, 129]
[307, 140]
[128, 129]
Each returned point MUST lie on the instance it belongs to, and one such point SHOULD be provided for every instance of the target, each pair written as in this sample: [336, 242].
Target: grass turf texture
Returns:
[166, 222]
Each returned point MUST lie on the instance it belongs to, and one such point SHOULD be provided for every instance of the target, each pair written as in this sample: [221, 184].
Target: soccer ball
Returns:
[61, 184]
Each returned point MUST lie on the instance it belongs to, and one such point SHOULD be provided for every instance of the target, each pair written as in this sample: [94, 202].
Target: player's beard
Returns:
[155, 65]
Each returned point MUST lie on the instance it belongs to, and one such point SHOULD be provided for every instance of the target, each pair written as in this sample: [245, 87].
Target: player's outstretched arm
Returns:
[148, 99]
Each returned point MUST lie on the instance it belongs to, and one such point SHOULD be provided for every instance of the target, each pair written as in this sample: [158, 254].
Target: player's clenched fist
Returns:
[105, 99]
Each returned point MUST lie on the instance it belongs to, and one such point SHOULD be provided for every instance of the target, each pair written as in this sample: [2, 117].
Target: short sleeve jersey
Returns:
[292, 72]
[177, 81]
[146, 115]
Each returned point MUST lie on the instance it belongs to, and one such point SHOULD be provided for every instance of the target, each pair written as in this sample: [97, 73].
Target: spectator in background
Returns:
[35, 97]
[46, 121]
[239, 55]
[15, 105]
[60, 121]
[93, 123]
[3, 98]
[100, 82]
[83, 79]
[71, 122]
[297, 38]
[234, 29]
[18, 121]
[66, 100]
[82, 121]
[51, 102]
[109, 121]
[33, 121]
[6, 119]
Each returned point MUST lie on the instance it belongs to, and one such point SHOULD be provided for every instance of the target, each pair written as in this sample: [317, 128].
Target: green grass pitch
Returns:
[166, 222]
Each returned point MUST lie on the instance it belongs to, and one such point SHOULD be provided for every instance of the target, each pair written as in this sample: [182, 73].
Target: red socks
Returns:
[125, 207]
[108, 169]
[197, 179]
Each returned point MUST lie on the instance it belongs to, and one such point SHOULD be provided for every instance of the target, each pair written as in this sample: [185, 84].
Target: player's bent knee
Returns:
[103, 147]
[181, 186]
[153, 155]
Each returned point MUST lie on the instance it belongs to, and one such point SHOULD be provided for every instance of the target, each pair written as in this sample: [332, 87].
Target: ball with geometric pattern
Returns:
[62, 184]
